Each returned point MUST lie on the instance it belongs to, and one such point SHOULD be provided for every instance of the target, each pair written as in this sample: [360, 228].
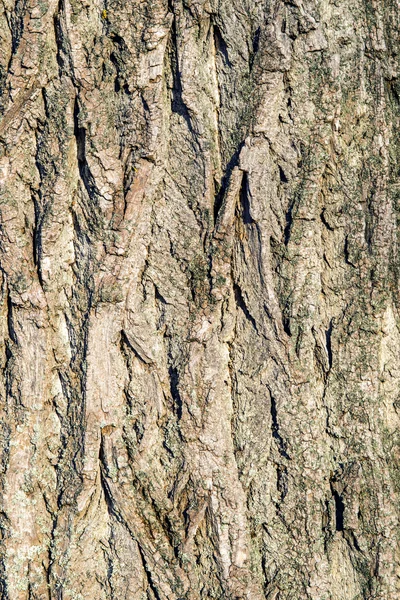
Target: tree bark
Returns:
[200, 310]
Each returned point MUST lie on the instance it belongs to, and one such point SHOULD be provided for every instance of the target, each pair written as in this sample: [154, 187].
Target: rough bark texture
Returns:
[200, 311]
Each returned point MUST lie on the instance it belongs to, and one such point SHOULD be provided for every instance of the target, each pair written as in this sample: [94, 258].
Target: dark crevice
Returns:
[393, 89]
[286, 325]
[104, 484]
[139, 429]
[275, 429]
[63, 56]
[221, 47]
[244, 199]
[81, 143]
[80, 135]
[120, 58]
[12, 393]
[127, 343]
[289, 223]
[256, 40]
[299, 339]
[339, 511]
[219, 197]
[178, 104]
[31, 595]
[255, 46]
[36, 245]
[347, 253]
[351, 539]
[59, 36]
[282, 175]
[146, 107]
[130, 400]
[37, 237]
[325, 222]
[174, 382]
[111, 508]
[328, 336]
[108, 559]
[117, 84]
[149, 575]
[242, 305]
[222, 189]
[10, 321]
[161, 304]
[369, 223]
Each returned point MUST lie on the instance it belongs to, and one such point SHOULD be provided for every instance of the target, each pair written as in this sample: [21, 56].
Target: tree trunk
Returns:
[200, 310]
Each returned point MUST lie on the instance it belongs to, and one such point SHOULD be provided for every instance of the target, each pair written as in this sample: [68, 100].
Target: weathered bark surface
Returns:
[200, 311]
